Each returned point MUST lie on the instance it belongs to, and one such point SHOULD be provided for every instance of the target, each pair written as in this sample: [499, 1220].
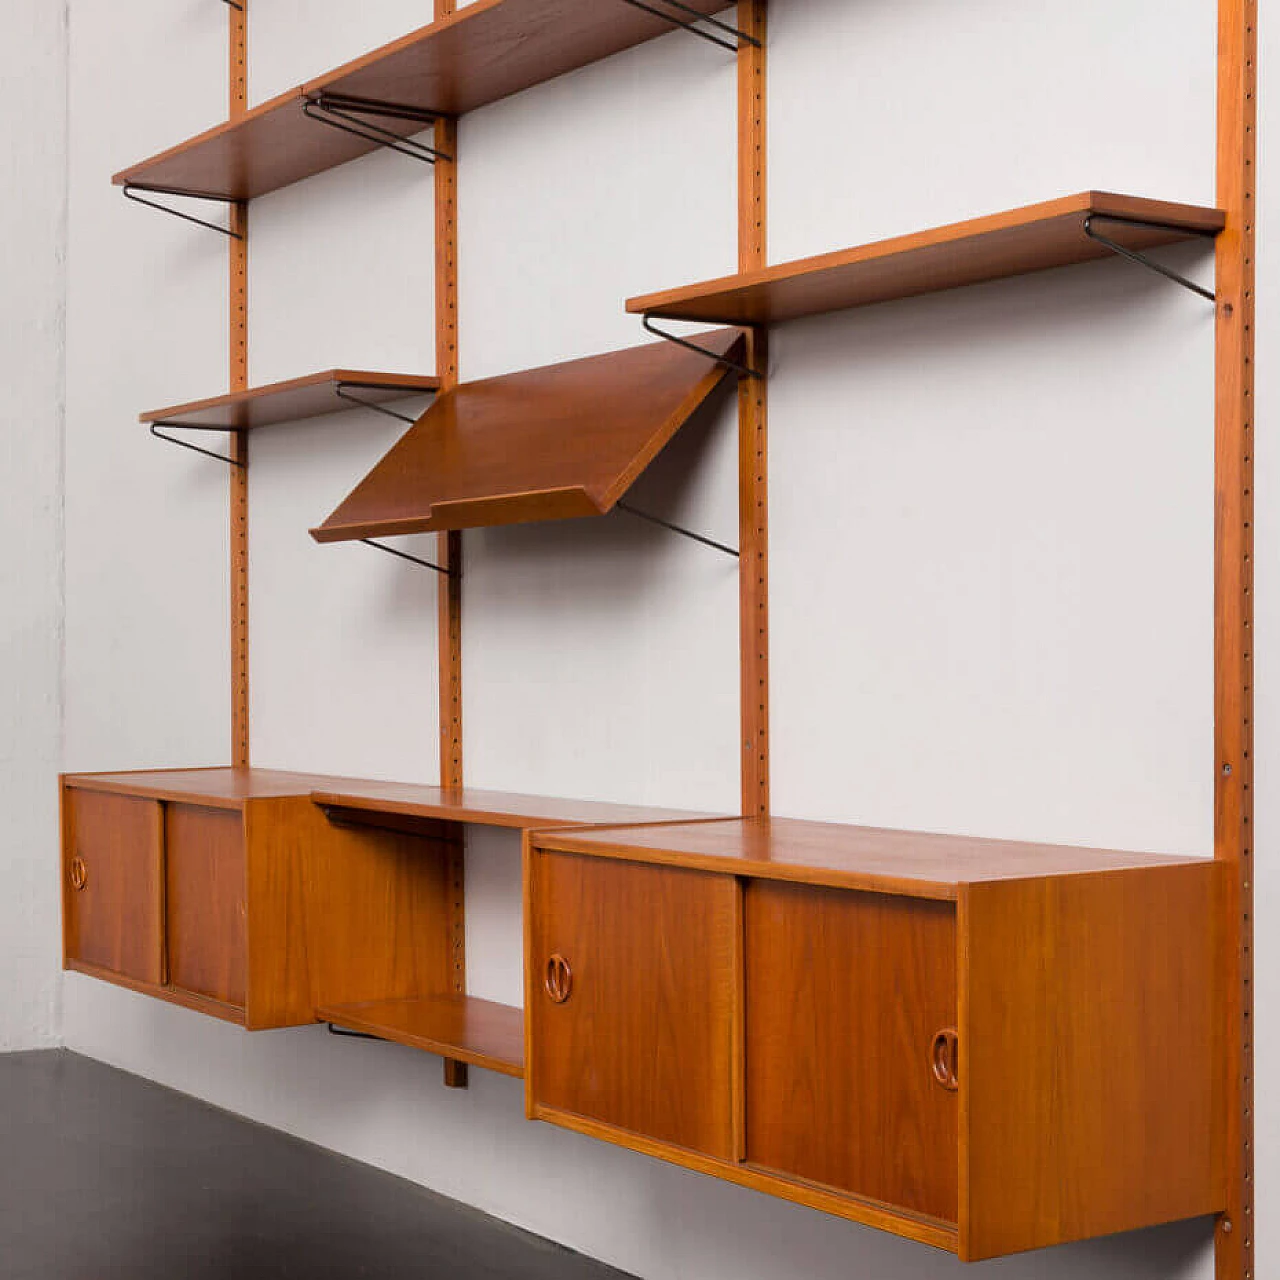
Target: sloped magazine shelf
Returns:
[554, 443]
[1034, 238]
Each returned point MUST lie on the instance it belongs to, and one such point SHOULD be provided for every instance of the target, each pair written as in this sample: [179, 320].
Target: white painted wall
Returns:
[991, 518]
[32, 353]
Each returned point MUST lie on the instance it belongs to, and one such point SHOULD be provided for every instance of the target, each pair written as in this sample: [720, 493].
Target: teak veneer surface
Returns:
[488, 808]
[554, 443]
[1033, 238]
[464, 1028]
[293, 400]
[218, 787]
[485, 51]
[912, 863]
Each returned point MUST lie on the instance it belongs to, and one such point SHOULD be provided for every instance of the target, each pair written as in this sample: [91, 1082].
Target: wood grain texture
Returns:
[218, 788]
[1033, 238]
[644, 1041]
[845, 993]
[911, 863]
[486, 808]
[554, 443]
[486, 51]
[114, 922]
[1234, 435]
[1087, 1032]
[339, 915]
[293, 400]
[468, 1030]
[206, 909]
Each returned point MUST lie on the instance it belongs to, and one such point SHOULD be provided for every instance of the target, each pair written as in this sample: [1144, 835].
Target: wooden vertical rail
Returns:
[450, 550]
[1233, 605]
[753, 423]
[238, 312]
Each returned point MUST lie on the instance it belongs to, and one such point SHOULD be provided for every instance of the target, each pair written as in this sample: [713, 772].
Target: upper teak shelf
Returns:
[1034, 238]
[485, 51]
[333, 391]
[555, 443]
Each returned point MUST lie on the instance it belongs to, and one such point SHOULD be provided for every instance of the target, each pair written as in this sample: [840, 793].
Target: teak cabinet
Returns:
[239, 899]
[985, 1058]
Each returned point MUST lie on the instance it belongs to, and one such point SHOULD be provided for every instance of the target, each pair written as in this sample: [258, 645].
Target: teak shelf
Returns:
[293, 400]
[554, 443]
[1035, 238]
[463, 1028]
[484, 52]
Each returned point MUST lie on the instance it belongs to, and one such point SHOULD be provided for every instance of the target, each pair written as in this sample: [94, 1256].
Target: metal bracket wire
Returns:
[1141, 258]
[352, 1035]
[404, 555]
[339, 111]
[745, 370]
[131, 193]
[186, 444]
[739, 37]
[234, 5]
[675, 528]
[343, 392]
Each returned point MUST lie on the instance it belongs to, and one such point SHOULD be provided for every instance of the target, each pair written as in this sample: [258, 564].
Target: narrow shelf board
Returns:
[1034, 238]
[483, 52]
[294, 399]
[464, 1028]
[555, 443]
[911, 863]
[218, 788]
[491, 808]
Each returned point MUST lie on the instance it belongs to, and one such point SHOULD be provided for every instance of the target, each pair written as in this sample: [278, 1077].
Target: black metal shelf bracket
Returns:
[352, 1035]
[340, 111]
[186, 444]
[343, 392]
[745, 370]
[404, 555]
[675, 528]
[689, 23]
[131, 193]
[1141, 258]
[234, 5]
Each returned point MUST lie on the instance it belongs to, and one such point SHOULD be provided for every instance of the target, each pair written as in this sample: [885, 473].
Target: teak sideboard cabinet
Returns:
[229, 892]
[988, 1047]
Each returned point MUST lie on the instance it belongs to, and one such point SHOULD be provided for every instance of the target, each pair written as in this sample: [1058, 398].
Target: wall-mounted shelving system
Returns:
[683, 972]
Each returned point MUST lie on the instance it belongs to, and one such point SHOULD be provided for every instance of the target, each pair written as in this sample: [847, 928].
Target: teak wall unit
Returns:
[950, 1039]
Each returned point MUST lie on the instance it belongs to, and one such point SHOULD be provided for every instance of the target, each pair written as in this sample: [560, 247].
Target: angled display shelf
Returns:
[464, 1028]
[554, 443]
[1034, 238]
[485, 51]
[333, 391]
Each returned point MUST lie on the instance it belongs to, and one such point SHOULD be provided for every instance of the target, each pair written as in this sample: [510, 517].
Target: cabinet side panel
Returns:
[113, 883]
[341, 914]
[1088, 1055]
[640, 1035]
[845, 995]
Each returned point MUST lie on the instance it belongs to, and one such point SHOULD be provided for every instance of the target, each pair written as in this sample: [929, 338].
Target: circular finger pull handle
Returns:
[558, 978]
[79, 873]
[946, 1058]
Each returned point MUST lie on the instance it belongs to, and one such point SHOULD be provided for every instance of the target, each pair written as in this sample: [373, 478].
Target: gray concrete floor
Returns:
[104, 1176]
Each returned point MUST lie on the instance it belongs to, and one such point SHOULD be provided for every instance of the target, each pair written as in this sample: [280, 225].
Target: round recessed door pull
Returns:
[946, 1058]
[558, 979]
[79, 873]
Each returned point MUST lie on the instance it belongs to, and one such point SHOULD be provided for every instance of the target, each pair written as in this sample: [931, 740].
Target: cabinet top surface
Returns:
[220, 787]
[914, 863]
